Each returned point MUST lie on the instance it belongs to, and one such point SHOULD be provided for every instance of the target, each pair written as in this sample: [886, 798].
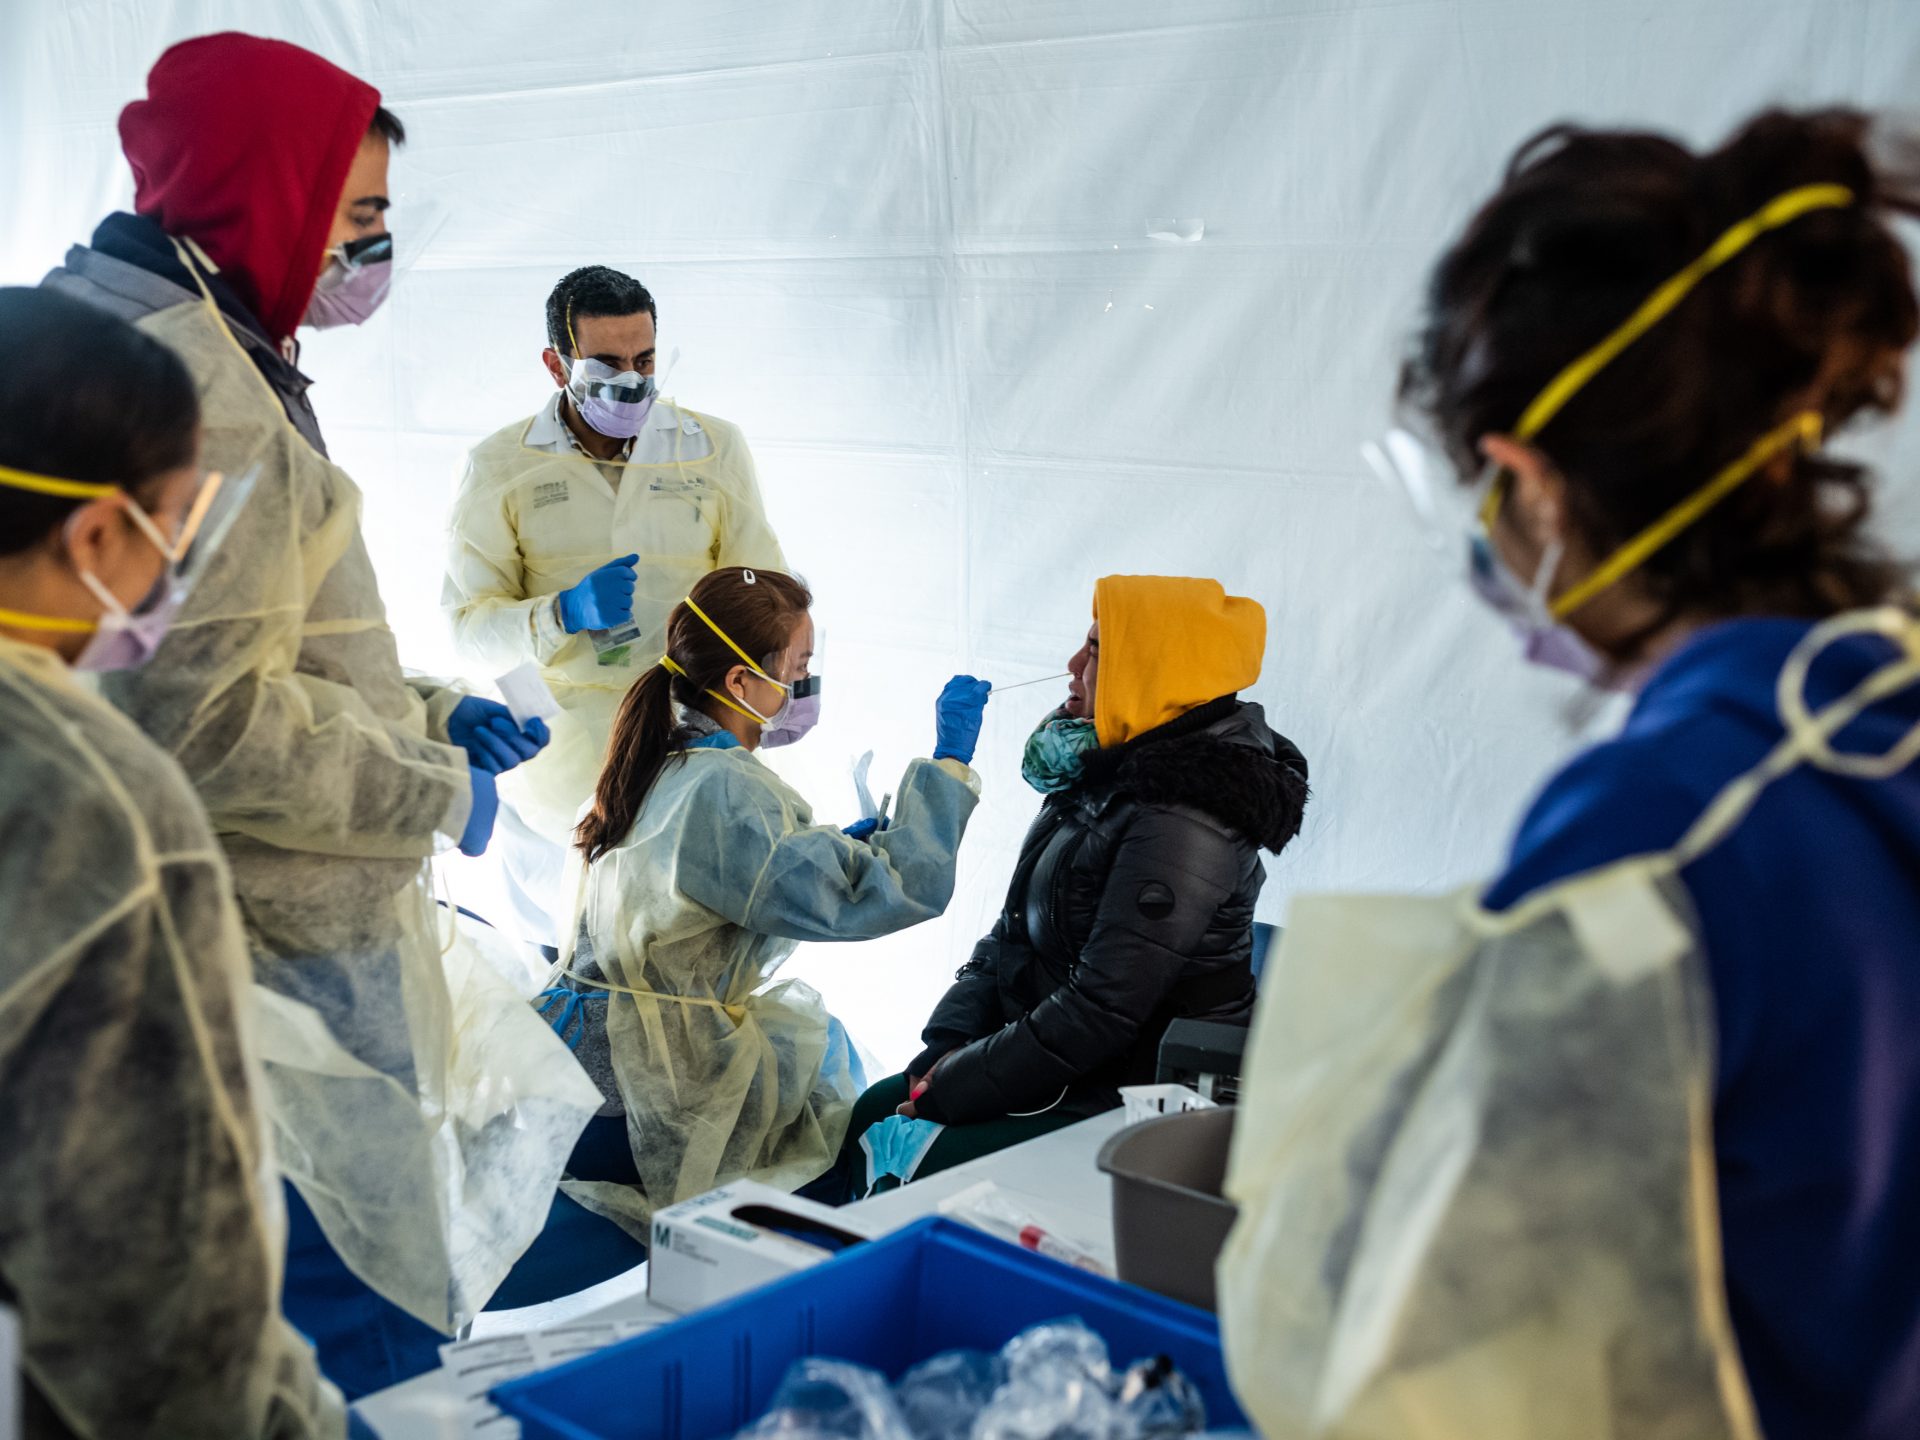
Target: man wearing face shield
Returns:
[330, 776]
[574, 534]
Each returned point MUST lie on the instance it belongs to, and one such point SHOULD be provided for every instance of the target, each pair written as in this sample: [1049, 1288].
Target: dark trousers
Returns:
[578, 1248]
[364, 1341]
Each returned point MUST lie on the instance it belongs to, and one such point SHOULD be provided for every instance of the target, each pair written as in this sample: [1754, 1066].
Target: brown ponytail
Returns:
[759, 610]
[1814, 315]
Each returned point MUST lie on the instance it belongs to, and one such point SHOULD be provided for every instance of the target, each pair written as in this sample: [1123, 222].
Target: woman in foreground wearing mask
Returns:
[1132, 902]
[702, 870]
[140, 1215]
[1629, 1145]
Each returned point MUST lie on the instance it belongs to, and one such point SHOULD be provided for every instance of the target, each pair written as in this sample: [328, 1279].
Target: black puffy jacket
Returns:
[1131, 906]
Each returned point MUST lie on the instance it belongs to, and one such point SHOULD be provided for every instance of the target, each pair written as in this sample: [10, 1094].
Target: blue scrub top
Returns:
[1811, 919]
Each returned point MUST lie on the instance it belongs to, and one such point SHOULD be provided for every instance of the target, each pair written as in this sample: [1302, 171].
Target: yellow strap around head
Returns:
[50, 485]
[1805, 428]
[727, 640]
[52, 625]
[1781, 210]
[673, 667]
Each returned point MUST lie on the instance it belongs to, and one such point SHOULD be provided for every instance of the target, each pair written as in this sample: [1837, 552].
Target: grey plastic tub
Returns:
[1169, 1220]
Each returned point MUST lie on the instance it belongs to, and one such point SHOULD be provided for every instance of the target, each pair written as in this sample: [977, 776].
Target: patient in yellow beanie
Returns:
[1132, 902]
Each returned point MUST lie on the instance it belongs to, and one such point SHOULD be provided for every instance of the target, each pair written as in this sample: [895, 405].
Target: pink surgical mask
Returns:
[795, 718]
[1544, 641]
[354, 284]
[126, 639]
[615, 403]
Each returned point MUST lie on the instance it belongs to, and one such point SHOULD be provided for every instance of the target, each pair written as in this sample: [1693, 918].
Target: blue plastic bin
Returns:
[933, 1287]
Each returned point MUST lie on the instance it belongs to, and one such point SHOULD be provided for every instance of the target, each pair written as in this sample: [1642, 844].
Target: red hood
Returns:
[244, 144]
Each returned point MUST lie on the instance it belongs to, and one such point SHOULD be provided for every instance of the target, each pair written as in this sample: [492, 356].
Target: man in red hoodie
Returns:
[330, 776]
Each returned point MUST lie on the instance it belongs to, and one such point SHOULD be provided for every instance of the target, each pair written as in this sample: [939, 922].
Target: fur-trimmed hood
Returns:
[1222, 759]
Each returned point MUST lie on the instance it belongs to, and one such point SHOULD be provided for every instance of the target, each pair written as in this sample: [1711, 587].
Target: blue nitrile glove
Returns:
[358, 1428]
[485, 730]
[956, 718]
[486, 804]
[601, 601]
[865, 829]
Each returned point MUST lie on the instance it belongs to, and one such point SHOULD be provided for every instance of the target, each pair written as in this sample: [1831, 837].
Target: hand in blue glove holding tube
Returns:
[485, 729]
[864, 829]
[957, 716]
[486, 805]
[603, 600]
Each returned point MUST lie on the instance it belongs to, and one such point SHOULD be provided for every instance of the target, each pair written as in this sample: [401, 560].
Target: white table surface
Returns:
[1054, 1177]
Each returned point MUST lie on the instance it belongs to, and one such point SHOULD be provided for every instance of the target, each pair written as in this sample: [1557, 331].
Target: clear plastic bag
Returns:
[1059, 1351]
[823, 1399]
[612, 647]
[943, 1397]
[1059, 1387]
[1074, 1409]
[1052, 1382]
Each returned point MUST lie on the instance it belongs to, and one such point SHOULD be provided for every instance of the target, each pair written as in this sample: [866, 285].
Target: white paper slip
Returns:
[473, 1367]
[526, 695]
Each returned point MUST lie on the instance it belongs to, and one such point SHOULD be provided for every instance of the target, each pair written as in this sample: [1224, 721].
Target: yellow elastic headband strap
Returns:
[1806, 427]
[62, 490]
[20, 620]
[727, 640]
[673, 667]
[49, 485]
[573, 345]
[1781, 210]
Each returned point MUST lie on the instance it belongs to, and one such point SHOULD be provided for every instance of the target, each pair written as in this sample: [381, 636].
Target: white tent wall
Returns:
[911, 248]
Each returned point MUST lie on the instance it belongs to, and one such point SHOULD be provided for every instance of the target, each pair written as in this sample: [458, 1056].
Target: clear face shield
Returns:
[124, 638]
[1455, 521]
[360, 274]
[1415, 470]
[216, 505]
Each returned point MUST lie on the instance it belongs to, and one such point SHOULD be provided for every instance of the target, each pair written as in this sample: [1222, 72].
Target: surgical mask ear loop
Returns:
[1540, 591]
[111, 602]
[673, 667]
